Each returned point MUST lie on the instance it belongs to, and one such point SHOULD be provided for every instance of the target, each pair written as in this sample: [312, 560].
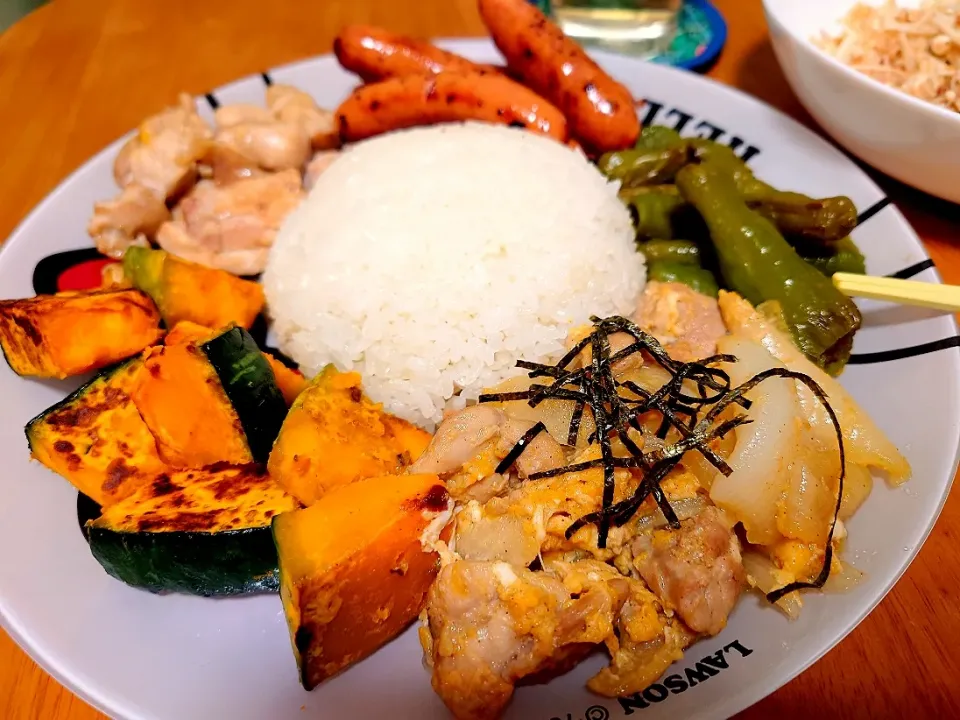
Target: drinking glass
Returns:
[636, 27]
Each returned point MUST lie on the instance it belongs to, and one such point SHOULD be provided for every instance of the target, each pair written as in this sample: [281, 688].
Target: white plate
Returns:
[136, 655]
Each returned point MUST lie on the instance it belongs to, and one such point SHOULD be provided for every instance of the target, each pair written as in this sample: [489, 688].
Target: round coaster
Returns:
[701, 34]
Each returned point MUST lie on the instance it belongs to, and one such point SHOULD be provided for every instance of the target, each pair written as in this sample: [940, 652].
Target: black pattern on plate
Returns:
[900, 353]
[212, 100]
[872, 210]
[915, 269]
[267, 80]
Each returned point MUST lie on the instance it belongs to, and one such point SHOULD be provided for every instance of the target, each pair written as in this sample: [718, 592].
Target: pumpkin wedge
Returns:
[203, 532]
[291, 382]
[353, 572]
[57, 336]
[186, 291]
[334, 435]
[96, 439]
[208, 401]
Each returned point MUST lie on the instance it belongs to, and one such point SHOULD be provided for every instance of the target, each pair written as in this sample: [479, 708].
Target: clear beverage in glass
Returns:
[637, 27]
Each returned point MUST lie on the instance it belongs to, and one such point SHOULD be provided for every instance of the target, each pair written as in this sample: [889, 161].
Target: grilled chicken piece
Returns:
[224, 165]
[265, 141]
[124, 221]
[280, 136]
[696, 570]
[291, 105]
[685, 321]
[489, 625]
[162, 157]
[232, 227]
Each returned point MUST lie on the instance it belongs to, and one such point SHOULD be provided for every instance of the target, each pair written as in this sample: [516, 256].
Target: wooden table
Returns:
[78, 73]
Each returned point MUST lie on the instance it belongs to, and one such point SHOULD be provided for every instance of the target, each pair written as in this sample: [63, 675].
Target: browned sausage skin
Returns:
[377, 54]
[599, 109]
[413, 100]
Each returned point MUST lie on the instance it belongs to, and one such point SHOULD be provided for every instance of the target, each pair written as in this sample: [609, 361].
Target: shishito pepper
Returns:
[825, 220]
[653, 213]
[634, 168]
[758, 263]
[682, 252]
[660, 153]
[841, 256]
[658, 137]
[692, 276]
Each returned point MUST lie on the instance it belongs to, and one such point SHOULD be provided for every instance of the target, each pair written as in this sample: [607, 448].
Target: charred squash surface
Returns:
[202, 532]
[96, 439]
[209, 401]
[353, 573]
[334, 435]
[57, 336]
[187, 291]
[291, 382]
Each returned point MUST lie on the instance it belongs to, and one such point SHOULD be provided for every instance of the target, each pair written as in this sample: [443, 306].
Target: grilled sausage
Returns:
[377, 54]
[414, 100]
[599, 109]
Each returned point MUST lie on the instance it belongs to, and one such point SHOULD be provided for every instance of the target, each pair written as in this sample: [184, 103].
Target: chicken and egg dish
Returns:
[527, 588]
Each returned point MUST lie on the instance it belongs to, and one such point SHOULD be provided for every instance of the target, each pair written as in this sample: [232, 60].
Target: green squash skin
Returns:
[144, 268]
[248, 381]
[235, 562]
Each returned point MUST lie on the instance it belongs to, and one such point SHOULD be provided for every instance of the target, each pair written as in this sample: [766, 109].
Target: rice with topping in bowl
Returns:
[431, 260]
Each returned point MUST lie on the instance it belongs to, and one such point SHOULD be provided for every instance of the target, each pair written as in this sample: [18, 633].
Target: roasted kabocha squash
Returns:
[353, 571]
[57, 336]
[213, 400]
[187, 291]
[291, 382]
[203, 532]
[96, 438]
[334, 435]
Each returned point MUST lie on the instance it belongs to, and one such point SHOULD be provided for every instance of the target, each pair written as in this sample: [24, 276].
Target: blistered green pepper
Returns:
[634, 168]
[653, 213]
[682, 252]
[658, 137]
[825, 220]
[692, 276]
[842, 256]
[757, 262]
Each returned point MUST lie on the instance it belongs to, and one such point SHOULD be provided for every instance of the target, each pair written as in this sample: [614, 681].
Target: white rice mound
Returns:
[431, 260]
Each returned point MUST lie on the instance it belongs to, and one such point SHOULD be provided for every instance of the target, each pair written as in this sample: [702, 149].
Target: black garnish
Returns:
[695, 418]
[574, 431]
[518, 449]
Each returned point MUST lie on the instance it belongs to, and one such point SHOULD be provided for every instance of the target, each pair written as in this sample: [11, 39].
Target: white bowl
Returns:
[909, 139]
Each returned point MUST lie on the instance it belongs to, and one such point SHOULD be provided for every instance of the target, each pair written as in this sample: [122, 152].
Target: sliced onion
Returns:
[765, 448]
[763, 575]
[554, 414]
[864, 442]
[856, 489]
[847, 578]
[686, 508]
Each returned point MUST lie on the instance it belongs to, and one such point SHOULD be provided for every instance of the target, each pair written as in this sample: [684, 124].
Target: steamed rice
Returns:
[431, 260]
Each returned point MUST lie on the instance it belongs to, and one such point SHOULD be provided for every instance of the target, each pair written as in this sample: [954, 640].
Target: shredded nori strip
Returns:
[518, 449]
[595, 386]
[574, 432]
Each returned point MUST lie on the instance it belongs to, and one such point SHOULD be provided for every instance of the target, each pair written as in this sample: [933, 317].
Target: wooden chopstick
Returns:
[905, 292]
